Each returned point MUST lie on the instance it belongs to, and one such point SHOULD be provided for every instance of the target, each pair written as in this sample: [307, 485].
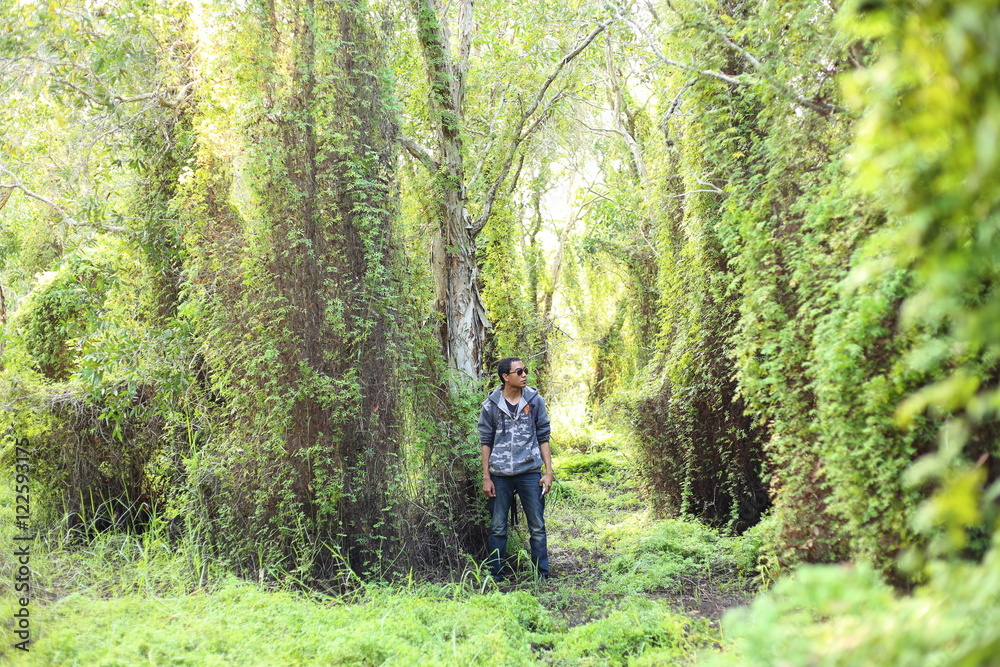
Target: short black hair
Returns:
[503, 367]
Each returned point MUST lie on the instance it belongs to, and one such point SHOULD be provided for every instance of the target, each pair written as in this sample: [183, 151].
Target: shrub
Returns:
[846, 615]
[597, 465]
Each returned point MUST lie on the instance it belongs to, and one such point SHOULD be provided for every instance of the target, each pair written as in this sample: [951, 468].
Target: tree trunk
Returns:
[456, 277]
[454, 254]
[454, 263]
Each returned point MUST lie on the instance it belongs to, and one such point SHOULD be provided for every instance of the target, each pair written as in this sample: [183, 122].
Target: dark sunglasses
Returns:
[520, 371]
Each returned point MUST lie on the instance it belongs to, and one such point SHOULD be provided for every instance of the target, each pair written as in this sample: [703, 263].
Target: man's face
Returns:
[518, 376]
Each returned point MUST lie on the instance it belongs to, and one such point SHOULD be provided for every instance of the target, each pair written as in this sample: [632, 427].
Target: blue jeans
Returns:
[533, 504]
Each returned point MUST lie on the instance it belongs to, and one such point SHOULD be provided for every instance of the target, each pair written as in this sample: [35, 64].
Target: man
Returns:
[514, 432]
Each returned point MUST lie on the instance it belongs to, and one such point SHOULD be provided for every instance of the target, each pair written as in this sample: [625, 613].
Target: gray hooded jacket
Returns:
[514, 438]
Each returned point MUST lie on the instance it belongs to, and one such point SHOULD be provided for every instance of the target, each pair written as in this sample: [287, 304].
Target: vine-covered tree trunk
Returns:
[702, 454]
[290, 223]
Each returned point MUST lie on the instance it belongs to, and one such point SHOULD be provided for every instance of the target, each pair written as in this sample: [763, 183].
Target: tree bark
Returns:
[453, 255]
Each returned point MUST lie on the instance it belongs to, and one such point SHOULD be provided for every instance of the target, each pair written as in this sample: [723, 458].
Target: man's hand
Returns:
[488, 488]
[546, 483]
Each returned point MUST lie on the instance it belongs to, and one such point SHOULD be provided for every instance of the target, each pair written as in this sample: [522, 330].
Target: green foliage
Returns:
[596, 464]
[663, 556]
[924, 151]
[701, 450]
[639, 632]
[847, 615]
[170, 589]
[782, 233]
[94, 432]
[618, 242]
[82, 80]
[829, 304]
[580, 434]
[927, 150]
[64, 306]
[513, 313]
[94, 119]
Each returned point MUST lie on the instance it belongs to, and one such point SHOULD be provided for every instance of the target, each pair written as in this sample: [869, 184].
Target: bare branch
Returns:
[520, 133]
[605, 130]
[640, 32]
[581, 45]
[419, 152]
[819, 107]
[34, 195]
[157, 95]
[674, 106]
[652, 11]
[85, 93]
[677, 100]
[182, 94]
[491, 192]
[682, 195]
[517, 174]
[600, 195]
[67, 218]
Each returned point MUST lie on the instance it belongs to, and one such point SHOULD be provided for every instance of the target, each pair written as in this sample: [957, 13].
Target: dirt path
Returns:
[591, 520]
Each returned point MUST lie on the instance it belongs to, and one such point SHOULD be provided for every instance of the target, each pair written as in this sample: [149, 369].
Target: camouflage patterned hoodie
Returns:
[514, 438]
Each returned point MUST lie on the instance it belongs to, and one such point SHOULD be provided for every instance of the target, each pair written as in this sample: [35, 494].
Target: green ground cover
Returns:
[627, 589]
[241, 624]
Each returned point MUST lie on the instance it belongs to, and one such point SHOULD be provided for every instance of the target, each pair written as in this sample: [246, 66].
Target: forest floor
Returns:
[605, 546]
[625, 589]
